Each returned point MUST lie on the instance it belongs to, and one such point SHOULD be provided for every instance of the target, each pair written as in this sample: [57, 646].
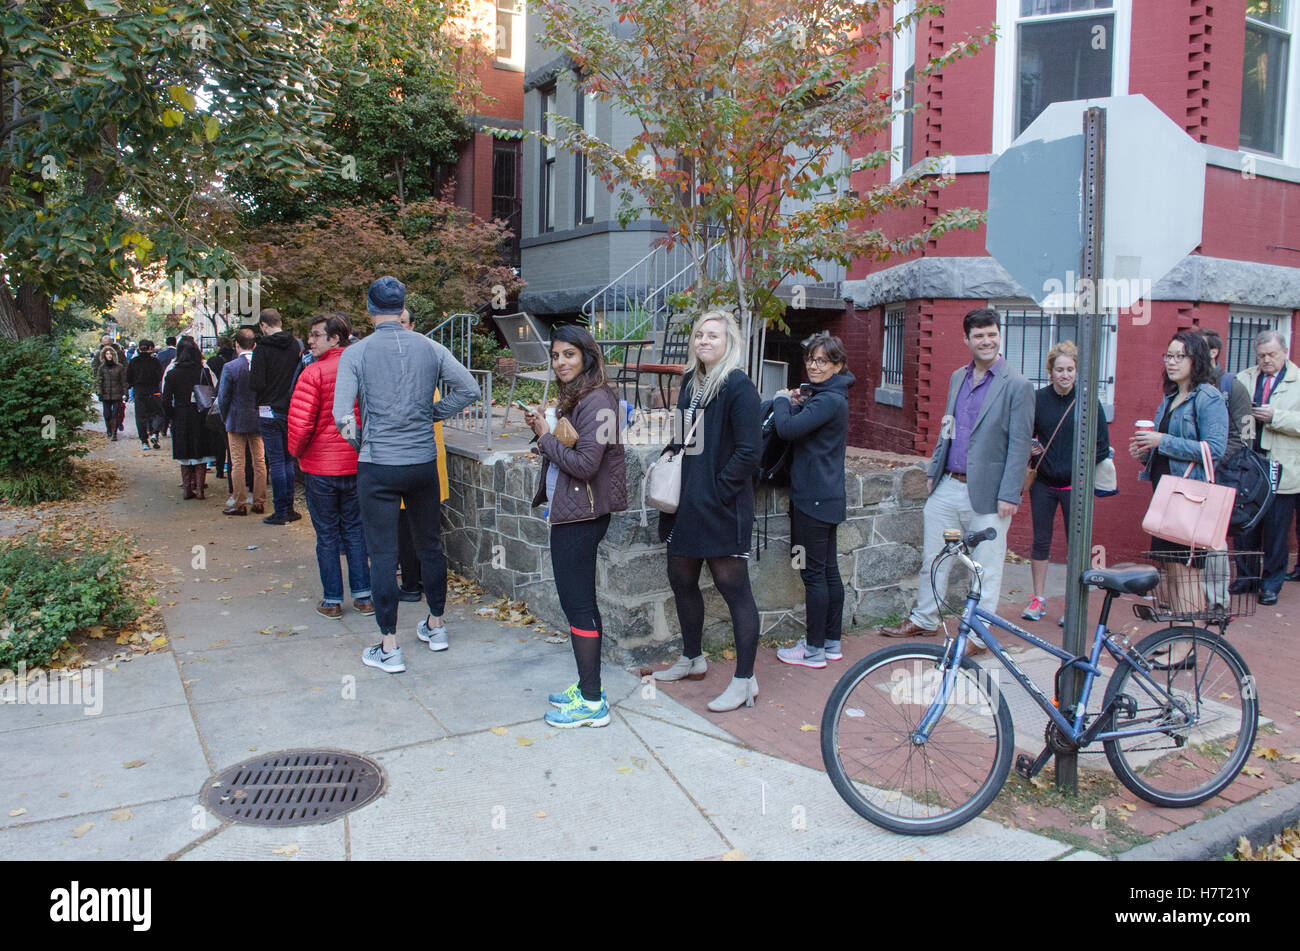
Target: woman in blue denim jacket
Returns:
[1193, 411]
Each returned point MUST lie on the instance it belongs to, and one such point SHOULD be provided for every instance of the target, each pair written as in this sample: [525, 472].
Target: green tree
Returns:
[117, 116]
[746, 110]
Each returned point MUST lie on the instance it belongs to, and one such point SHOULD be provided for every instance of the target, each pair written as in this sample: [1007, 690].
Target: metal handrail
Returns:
[648, 284]
[456, 334]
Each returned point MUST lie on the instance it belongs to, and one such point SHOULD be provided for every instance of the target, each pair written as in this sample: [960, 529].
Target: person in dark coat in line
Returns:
[715, 516]
[165, 356]
[192, 441]
[817, 428]
[110, 384]
[274, 362]
[225, 353]
[238, 408]
[144, 375]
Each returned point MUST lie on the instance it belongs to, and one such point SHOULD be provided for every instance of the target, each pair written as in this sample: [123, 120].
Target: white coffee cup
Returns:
[1145, 426]
[550, 418]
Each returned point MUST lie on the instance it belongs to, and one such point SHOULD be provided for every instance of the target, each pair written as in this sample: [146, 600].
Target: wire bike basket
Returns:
[1210, 586]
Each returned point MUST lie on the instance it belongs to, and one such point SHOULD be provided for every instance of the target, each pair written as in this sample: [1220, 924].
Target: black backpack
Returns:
[1256, 479]
[774, 460]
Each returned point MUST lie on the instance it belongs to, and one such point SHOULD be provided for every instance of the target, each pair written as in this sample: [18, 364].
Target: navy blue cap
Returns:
[386, 296]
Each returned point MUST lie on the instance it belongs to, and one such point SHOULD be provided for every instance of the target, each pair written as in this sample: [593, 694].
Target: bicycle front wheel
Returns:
[1202, 717]
[888, 774]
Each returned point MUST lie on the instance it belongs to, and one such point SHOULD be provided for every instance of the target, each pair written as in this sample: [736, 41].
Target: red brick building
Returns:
[1226, 71]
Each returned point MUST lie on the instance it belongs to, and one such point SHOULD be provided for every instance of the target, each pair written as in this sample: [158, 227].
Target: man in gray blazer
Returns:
[978, 468]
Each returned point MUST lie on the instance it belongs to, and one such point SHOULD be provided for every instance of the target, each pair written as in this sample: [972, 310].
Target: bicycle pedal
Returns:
[1025, 765]
[1126, 705]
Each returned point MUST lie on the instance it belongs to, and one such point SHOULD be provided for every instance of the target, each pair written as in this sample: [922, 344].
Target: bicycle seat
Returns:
[1129, 581]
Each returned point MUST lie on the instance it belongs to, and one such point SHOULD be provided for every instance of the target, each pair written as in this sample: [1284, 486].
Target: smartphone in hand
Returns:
[805, 390]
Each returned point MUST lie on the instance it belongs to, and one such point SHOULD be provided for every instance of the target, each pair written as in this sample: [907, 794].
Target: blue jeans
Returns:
[336, 516]
[279, 466]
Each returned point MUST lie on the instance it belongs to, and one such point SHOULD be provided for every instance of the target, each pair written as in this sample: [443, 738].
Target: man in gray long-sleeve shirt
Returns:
[391, 376]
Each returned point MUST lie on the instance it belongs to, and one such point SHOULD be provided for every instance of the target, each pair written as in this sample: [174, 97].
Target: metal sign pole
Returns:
[1091, 327]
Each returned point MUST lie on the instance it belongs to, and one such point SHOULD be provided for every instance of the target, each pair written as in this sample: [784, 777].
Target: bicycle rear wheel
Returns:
[1201, 746]
[916, 788]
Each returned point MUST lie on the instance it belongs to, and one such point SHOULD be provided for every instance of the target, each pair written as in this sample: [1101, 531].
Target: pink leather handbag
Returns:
[1190, 512]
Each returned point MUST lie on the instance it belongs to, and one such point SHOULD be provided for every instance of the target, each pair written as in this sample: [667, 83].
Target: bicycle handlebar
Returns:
[970, 539]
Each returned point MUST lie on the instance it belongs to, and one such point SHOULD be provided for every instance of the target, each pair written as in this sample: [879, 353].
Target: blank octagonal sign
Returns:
[1154, 201]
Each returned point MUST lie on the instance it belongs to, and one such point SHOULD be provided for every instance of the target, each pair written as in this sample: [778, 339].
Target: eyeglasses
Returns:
[1176, 357]
[317, 333]
[817, 362]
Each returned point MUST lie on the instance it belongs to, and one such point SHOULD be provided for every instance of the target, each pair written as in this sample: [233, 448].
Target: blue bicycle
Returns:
[918, 739]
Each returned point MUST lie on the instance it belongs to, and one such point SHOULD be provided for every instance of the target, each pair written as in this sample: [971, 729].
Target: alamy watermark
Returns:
[921, 685]
[61, 687]
[1080, 295]
[240, 296]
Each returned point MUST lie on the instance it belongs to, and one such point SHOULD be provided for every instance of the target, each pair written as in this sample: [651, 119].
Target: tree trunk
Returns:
[27, 316]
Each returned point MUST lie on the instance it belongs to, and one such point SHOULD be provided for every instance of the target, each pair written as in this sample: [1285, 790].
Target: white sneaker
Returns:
[390, 661]
[230, 502]
[436, 637]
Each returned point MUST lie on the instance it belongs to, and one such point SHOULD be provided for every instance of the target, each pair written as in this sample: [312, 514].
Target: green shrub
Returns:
[50, 588]
[44, 400]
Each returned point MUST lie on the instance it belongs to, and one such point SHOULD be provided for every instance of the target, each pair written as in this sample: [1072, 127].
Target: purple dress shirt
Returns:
[966, 410]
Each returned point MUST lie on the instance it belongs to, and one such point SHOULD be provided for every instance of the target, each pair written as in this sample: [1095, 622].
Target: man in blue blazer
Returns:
[977, 472]
[238, 408]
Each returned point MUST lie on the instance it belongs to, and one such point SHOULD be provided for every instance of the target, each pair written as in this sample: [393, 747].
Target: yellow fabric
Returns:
[444, 490]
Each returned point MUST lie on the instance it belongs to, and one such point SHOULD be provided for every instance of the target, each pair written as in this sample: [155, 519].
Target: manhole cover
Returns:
[294, 787]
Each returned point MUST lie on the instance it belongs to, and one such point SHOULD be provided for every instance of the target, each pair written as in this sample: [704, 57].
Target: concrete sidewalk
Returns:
[472, 770]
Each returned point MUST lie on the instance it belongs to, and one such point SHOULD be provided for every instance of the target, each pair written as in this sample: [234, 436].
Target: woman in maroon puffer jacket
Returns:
[583, 480]
[329, 468]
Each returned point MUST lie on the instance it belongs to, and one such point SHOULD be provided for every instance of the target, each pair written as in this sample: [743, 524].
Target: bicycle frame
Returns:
[975, 620]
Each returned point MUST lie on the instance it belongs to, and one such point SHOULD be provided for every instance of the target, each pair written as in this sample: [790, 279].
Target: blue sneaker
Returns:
[388, 661]
[561, 700]
[579, 713]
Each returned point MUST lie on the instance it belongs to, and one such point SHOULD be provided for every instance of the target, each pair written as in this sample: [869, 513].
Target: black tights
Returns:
[731, 578]
[573, 556]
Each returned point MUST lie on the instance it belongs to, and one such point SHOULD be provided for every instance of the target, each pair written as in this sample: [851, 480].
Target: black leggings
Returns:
[1043, 500]
[731, 578]
[823, 588]
[573, 557]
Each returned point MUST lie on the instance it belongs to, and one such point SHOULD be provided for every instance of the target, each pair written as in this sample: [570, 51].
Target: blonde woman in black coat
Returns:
[715, 516]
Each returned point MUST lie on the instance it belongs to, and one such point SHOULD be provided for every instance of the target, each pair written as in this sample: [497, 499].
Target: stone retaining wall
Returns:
[492, 533]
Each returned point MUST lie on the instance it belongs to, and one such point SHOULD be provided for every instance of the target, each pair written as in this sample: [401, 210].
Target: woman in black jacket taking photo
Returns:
[817, 427]
[715, 515]
[583, 480]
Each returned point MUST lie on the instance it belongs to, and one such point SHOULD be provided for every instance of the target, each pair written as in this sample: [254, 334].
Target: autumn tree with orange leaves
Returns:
[744, 108]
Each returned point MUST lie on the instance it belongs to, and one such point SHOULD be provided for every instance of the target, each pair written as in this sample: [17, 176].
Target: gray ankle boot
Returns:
[740, 692]
[684, 668]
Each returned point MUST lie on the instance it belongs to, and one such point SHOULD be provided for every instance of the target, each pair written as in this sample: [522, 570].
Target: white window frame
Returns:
[904, 58]
[1006, 55]
[1279, 317]
[1290, 154]
[549, 165]
[518, 36]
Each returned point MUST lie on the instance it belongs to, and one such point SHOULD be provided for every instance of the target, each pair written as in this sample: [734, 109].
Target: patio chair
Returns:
[669, 362]
[530, 347]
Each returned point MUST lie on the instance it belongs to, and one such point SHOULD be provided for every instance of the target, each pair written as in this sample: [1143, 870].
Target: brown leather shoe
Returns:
[259, 508]
[973, 649]
[334, 611]
[908, 629]
[364, 606]
[235, 510]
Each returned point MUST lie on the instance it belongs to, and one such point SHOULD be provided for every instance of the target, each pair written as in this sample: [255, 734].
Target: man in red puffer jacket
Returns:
[329, 468]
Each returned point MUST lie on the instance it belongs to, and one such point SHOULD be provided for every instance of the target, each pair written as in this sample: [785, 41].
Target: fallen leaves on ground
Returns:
[82, 829]
[289, 851]
[807, 728]
[17, 812]
[133, 764]
[1266, 752]
[499, 730]
[523, 741]
[1285, 847]
[1252, 771]
[121, 815]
